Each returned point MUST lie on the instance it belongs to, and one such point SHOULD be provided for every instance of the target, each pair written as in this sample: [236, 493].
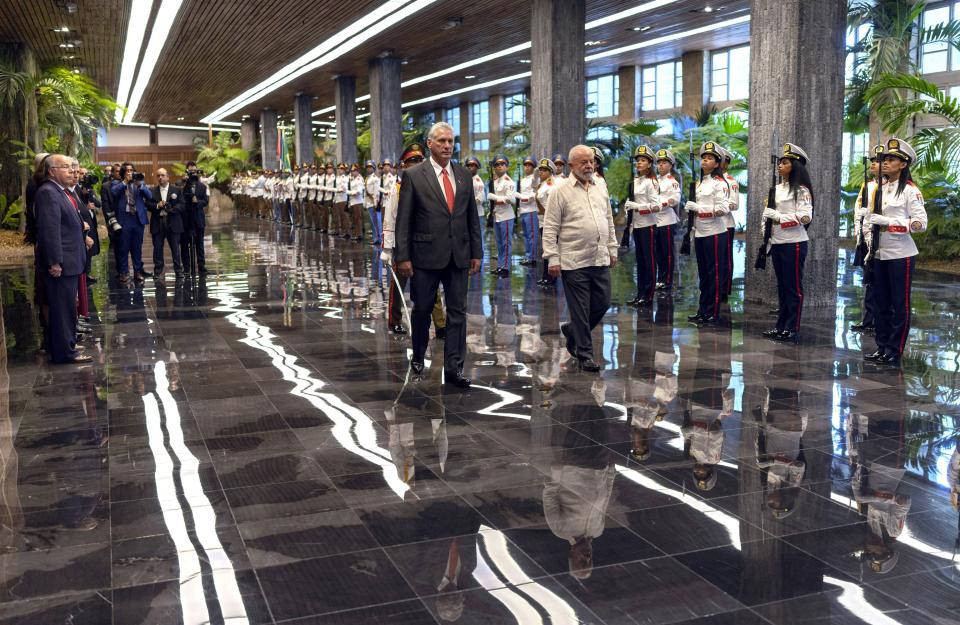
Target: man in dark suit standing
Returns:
[62, 254]
[166, 223]
[438, 241]
[130, 195]
[194, 220]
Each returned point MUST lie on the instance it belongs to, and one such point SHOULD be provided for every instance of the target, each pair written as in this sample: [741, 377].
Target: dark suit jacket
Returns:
[59, 231]
[426, 232]
[174, 208]
[118, 192]
[193, 214]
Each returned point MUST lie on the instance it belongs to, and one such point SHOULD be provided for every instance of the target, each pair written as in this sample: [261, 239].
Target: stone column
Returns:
[630, 96]
[248, 134]
[466, 141]
[796, 91]
[303, 129]
[557, 75]
[344, 96]
[495, 108]
[386, 139]
[268, 139]
[695, 82]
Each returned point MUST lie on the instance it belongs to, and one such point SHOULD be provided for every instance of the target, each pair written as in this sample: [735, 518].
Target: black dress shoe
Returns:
[710, 319]
[565, 331]
[773, 311]
[890, 359]
[770, 334]
[634, 301]
[589, 365]
[697, 318]
[786, 336]
[398, 329]
[416, 366]
[146, 274]
[858, 327]
[455, 378]
[441, 334]
[643, 301]
[876, 355]
[91, 280]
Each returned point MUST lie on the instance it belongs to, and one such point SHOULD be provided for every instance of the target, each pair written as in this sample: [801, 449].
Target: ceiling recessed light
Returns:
[469, 76]
[525, 61]
[590, 44]
[645, 29]
[708, 9]
[180, 119]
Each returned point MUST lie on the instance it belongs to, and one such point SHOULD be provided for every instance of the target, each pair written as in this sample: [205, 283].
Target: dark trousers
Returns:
[173, 241]
[644, 244]
[666, 258]
[892, 280]
[131, 245]
[711, 268]
[788, 260]
[193, 239]
[869, 306]
[728, 289]
[423, 290]
[395, 315]
[588, 297]
[62, 320]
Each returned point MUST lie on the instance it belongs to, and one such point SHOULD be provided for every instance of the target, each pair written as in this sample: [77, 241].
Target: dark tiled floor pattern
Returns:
[247, 449]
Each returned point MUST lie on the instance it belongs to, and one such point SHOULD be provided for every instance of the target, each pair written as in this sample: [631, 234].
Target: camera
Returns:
[194, 176]
[88, 181]
[138, 176]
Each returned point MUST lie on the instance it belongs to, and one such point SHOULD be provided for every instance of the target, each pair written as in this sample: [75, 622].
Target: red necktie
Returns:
[70, 197]
[447, 189]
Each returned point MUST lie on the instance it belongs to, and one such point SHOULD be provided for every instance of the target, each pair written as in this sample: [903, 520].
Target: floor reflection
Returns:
[250, 446]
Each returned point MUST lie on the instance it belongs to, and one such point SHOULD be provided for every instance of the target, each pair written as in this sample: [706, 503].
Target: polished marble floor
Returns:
[248, 448]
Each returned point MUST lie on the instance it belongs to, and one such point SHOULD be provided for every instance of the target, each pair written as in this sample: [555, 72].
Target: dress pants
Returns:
[530, 224]
[729, 275]
[711, 269]
[504, 230]
[62, 320]
[423, 290]
[869, 306]
[588, 297]
[788, 260]
[276, 210]
[665, 254]
[395, 308]
[190, 239]
[198, 234]
[376, 225]
[173, 241]
[892, 280]
[644, 244]
[131, 245]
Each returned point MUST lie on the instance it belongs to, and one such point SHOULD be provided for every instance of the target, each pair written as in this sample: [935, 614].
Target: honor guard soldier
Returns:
[313, 209]
[387, 191]
[710, 233]
[861, 235]
[547, 171]
[644, 202]
[289, 196]
[561, 165]
[327, 188]
[479, 193]
[598, 159]
[734, 204]
[355, 193]
[788, 238]
[666, 219]
[371, 190]
[340, 208]
[502, 194]
[898, 213]
[295, 205]
[527, 211]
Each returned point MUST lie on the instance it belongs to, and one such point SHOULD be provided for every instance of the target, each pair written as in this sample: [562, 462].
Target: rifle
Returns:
[861, 250]
[877, 209]
[691, 197]
[625, 239]
[380, 195]
[761, 262]
[491, 208]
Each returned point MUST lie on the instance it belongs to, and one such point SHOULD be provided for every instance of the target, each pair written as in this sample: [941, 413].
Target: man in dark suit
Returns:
[62, 254]
[438, 241]
[166, 223]
[194, 220]
[130, 195]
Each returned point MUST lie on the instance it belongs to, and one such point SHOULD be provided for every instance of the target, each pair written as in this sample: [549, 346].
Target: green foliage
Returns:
[222, 158]
[10, 212]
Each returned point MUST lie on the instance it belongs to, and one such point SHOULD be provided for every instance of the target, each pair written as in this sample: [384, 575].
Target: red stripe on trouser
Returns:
[716, 275]
[653, 261]
[669, 255]
[799, 287]
[906, 305]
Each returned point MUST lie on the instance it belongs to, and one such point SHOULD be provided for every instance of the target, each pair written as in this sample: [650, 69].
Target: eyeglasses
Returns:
[61, 167]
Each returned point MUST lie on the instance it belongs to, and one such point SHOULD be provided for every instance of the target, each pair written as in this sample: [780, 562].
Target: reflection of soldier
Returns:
[953, 478]
[575, 500]
[876, 453]
[505, 330]
[405, 430]
[11, 514]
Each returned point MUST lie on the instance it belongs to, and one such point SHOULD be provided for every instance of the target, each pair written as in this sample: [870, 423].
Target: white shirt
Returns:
[528, 194]
[479, 193]
[543, 194]
[734, 200]
[907, 214]
[793, 212]
[341, 195]
[860, 212]
[437, 169]
[502, 197]
[371, 189]
[578, 226]
[163, 192]
[711, 206]
[355, 187]
[645, 203]
[669, 200]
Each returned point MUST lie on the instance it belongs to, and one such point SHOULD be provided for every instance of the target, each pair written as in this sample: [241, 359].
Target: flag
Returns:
[283, 156]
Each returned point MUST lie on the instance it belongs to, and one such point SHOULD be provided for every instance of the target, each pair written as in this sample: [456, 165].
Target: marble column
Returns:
[557, 75]
[796, 95]
[268, 139]
[631, 99]
[344, 96]
[303, 129]
[695, 82]
[248, 134]
[466, 141]
[495, 109]
[386, 139]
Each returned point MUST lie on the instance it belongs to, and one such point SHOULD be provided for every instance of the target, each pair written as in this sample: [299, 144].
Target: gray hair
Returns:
[579, 148]
[437, 127]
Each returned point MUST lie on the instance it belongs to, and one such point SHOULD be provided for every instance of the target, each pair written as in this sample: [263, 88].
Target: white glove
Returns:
[386, 256]
[656, 208]
[878, 220]
[692, 207]
[770, 213]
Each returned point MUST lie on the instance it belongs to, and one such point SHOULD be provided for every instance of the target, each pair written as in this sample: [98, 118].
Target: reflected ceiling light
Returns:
[345, 40]
[668, 38]
[470, 76]
[525, 61]
[482, 85]
[166, 16]
[139, 13]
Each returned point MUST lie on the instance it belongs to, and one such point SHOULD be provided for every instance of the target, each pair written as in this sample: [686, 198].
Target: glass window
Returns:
[935, 57]
[648, 88]
[603, 96]
[480, 117]
[481, 145]
[854, 60]
[662, 86]
[602, 133]
[514, 111]
[452, 117]
[730, 74]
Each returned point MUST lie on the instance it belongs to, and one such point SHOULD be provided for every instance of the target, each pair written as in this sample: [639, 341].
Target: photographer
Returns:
[166, 223]
[194, 221]
[109, 214]
[89, 203]
[130, 195]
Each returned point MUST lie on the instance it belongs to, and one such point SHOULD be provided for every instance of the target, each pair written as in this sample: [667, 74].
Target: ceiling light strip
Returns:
[136, 27]
[346, 39]
[484, 85]
[166, 16]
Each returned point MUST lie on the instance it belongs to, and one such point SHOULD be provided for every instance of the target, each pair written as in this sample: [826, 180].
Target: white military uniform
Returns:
[711, 205]
[645, 203]
[479, 193]
[792, 213]
[504, 191]
[527, 194]
[669, 200]
[902, 214]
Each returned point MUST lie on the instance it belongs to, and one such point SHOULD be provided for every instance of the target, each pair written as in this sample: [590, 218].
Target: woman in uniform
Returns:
[644, 202]
[666, 219]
